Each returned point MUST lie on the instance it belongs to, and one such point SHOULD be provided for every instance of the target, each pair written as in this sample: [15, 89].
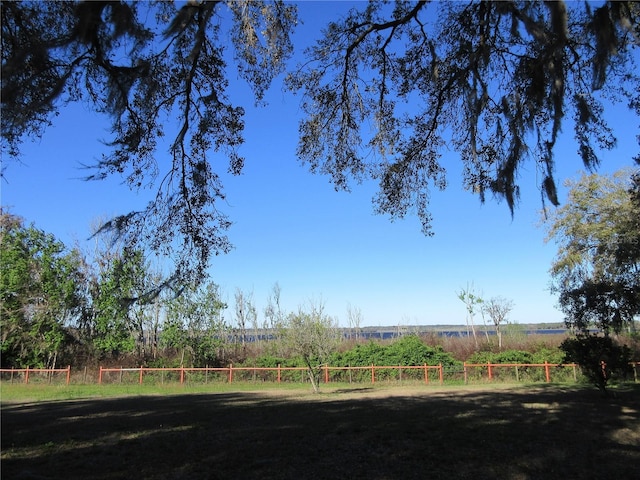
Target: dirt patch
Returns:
[366, 433]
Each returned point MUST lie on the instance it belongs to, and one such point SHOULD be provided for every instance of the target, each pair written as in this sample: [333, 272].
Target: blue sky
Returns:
[291, 227]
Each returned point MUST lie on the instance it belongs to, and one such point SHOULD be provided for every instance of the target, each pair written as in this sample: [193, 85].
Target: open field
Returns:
[411, 432]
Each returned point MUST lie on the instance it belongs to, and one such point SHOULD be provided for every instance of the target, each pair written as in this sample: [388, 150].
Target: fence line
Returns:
[373, 373]
[26, 372]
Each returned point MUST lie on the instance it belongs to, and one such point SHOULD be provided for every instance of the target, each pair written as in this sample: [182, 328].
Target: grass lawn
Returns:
[407, 432]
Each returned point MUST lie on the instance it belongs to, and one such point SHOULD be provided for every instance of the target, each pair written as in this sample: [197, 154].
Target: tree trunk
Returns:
[473, 331]
[312, 377]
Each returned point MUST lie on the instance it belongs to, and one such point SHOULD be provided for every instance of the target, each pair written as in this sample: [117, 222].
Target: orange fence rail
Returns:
[427, 373]
[230, 372]
[492, 367]
[27, 372]
[467, 372]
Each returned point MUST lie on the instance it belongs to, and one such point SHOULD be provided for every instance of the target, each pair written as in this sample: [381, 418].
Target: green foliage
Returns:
[117, 290]
[601, 358]
[313, 336]
[495, 82]
[553, 356]
[508, 356]
[174, 66]
[194, 325]
[597, 269]
[406, 351]
[38, 294]
[541, 355]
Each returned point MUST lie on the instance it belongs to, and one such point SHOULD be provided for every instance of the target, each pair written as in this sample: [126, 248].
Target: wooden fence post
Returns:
[426, 374]
[26, 375]
[100, 376]
[181, 374]
[464, 369]
[575, 376]
[140, 380]
[68, 374]
[230, 372]
[517, 374]
[326, 373]
[546, 371]
[279, 373]
[489, 370]
[373, 374]
[441, 375]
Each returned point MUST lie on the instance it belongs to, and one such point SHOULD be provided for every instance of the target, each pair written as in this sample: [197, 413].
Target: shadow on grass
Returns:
[541, 433]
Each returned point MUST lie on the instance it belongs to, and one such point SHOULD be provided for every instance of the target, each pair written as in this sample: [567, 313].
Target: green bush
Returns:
[508, 356]
[553, 356]
[407, 351]
[600, 358]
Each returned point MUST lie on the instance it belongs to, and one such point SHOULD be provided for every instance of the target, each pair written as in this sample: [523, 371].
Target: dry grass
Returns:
[541, 432]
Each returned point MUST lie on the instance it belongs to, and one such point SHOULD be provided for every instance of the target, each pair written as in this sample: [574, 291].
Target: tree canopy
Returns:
[597, 269]
[38, 293]
[313, 335]
[385, 91]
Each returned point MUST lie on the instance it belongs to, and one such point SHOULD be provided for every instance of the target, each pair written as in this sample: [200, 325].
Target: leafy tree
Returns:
[194, 324]
[175, 335]
[313, 336]
[115, 328]
[485, 79]
[498, 309]
[596, 272]
[117, 287]
[38, 294]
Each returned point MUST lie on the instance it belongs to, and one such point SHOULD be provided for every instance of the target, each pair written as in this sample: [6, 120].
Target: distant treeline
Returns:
[391, 332]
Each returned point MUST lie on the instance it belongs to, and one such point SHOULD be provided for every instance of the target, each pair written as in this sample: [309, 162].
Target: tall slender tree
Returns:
[471, 300]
